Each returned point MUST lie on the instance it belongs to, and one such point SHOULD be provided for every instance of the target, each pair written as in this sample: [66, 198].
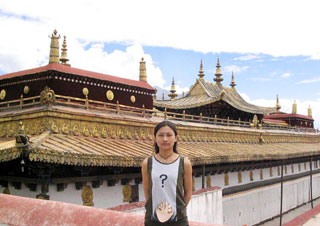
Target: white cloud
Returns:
[306, 81]
[248, 57]
[235, 68]
[286, 106]
[144, 22]
[286, 75]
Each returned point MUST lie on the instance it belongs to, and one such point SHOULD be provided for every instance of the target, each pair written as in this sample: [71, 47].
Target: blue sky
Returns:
[271, 46]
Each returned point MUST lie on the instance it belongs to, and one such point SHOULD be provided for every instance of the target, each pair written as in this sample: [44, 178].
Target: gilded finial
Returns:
[218, 74]
[201, 74]
[54, 48]
[172, 93]
[64, 58]
[143, 71]
[278, 104]
[232, 84]
[294, 107]
[309, 111]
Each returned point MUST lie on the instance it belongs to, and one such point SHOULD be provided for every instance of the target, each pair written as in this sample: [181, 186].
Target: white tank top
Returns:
[164, 184]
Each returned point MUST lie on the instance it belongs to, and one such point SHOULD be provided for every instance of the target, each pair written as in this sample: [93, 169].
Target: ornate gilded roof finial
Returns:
[201, 74]
[278, 104]
[218, 74]
[172, 93]
[54, 48]
[232, 84]
[309, 111]
[143, 71]
[64, 58]
[294, 107]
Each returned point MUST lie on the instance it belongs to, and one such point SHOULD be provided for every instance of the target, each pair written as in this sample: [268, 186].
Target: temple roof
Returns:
[90, 151]
[203, 93]
[287, 116]
[78, 72]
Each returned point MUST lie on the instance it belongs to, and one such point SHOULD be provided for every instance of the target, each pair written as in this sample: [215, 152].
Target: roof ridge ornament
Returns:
[172, 93]
[64, 58]
[201, 74]
[294, 107]
[278, 104]
[143, 71]
[218, 79]
[309, 111]
[232, 84]
[54, 47]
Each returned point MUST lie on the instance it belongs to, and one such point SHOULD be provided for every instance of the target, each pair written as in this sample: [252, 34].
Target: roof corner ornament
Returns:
[22, 139]
[143, 71]
[54, 47]
[47, 96]
[64, 57]
[218, 79]
[172, 93]
[278, 104]
[232, 84]
[221, 94]
[201, 73]
[294, 107]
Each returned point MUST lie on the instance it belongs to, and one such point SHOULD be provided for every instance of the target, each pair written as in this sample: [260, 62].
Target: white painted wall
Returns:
[254, 206]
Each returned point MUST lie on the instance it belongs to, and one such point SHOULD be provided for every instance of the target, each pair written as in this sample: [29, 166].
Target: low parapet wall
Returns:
[22, 211]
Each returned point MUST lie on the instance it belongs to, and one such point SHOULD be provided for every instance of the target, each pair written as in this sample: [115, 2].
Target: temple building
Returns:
[78, 136]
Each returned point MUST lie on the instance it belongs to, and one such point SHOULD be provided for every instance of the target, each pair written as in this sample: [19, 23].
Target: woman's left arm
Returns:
[187, 180]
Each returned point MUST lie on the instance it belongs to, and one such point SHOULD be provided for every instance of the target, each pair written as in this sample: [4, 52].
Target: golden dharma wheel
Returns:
[85, 91]
[110, 95]
[3, 94]
[133, 99]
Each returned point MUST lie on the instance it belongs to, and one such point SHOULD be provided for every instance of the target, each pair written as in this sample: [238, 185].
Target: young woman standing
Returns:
[167, 180]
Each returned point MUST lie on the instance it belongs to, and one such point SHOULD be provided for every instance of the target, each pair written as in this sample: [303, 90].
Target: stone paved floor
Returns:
[294, 213]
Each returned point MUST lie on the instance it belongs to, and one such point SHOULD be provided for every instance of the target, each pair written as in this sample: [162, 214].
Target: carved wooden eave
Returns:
[75, 136]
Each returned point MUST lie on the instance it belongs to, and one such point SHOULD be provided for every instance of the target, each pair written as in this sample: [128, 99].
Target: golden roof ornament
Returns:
[218, 79]
[172, 93]
[294, 107]
[143, 71]
[54, 47]
[201, 74]
[309, 111]
[64, 58]
[278, 104]
[232, 84]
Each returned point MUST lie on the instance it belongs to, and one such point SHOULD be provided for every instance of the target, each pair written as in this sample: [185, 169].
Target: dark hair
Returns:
[159, 126]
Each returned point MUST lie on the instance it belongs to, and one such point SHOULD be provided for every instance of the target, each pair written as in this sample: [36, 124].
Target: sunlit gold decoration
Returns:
[239, 177]
[54, 127]
[3, 94]
[54, 48]
[47, 96]
[133, 99]
[110, 95]
[226, 179]
[120, 133]
[128, 133]
[85, 91]
[136, 135]
[85, 131]
[26, 89]
[142, 135]
[75, 130]
[95, 132]
[65, 128]
[208, 181]
[87, 196]
[126, 191]
[104, 132]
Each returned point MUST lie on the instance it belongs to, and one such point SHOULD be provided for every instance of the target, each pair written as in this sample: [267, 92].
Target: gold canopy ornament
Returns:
[143, 71]
[54, 48]
[232, 84]
[218, 74]
[172, 93]
[294, 107]
[64, 58]
[309, 111]
[278, 104]
[201, 73]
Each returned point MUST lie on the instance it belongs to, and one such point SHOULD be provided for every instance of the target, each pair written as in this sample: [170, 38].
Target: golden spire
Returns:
[201, 74]
[232, 84]
[54, 48]
[278, 104]
[218, 74]
[309, 111]
[143, 71]
[172, 93]
[64, 58]
[294, 107]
